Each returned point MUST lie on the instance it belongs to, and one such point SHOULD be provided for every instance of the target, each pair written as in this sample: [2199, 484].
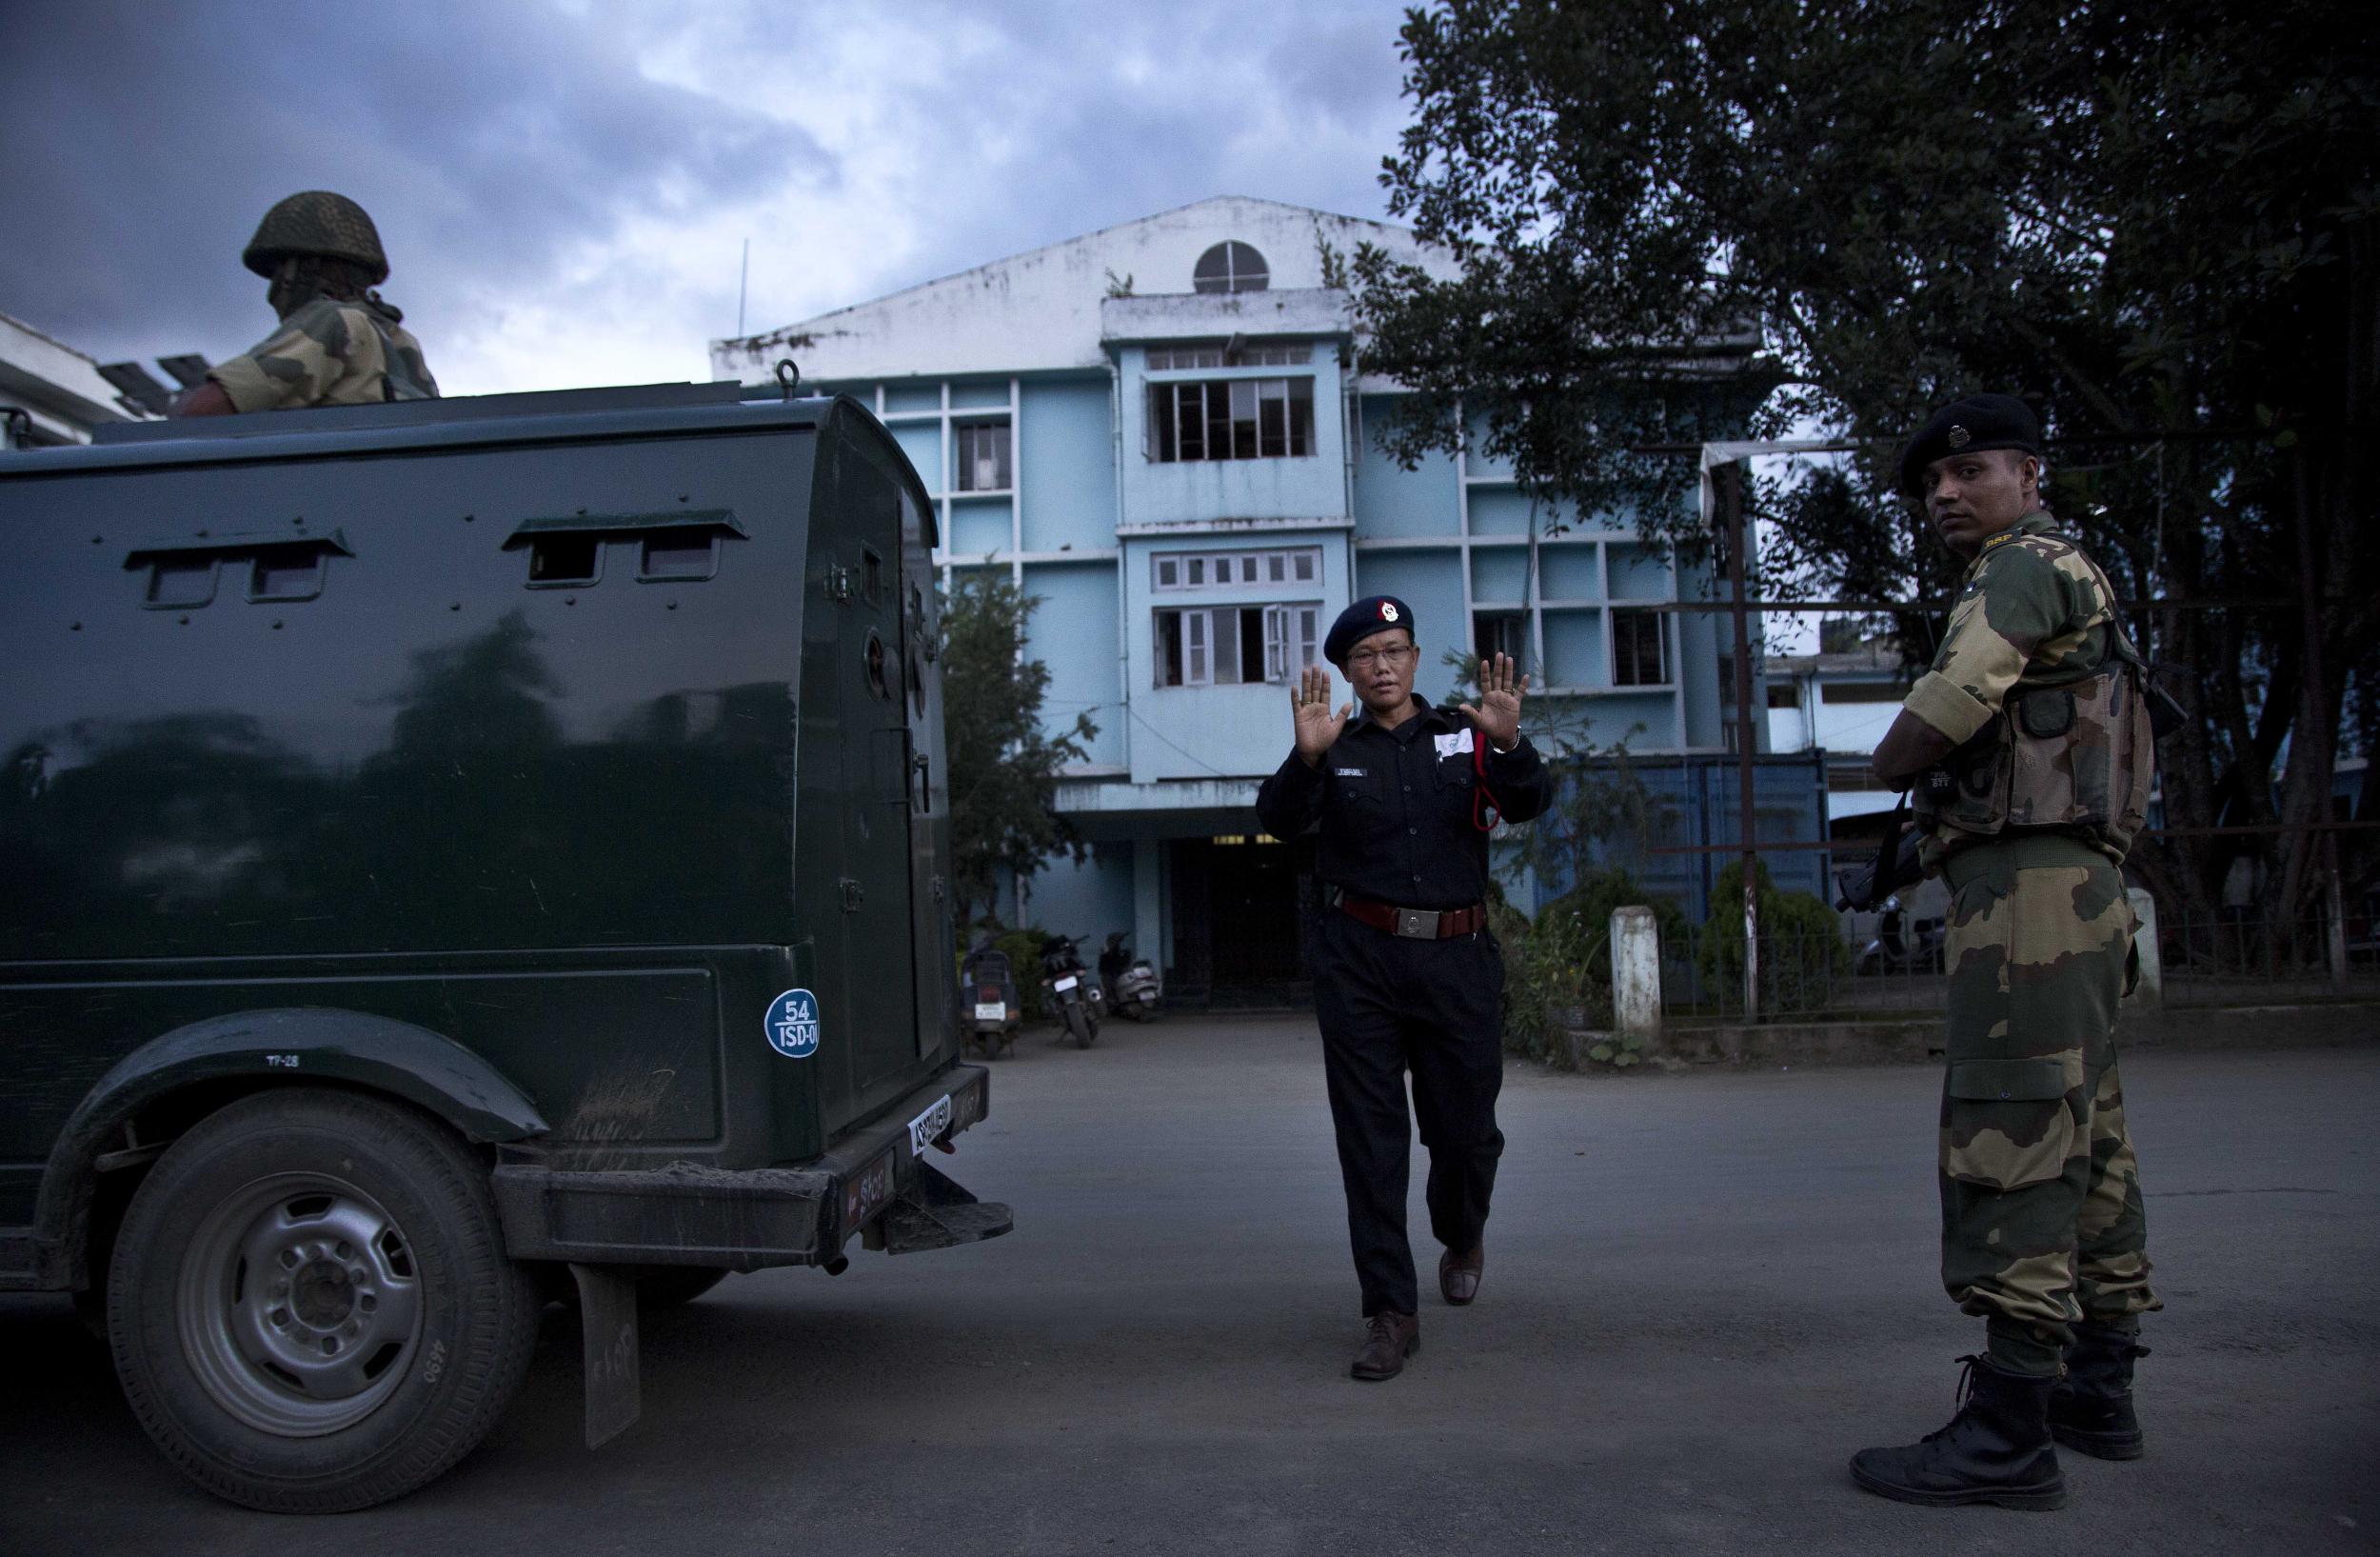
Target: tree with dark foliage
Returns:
[1003, 765]
[2157, 223]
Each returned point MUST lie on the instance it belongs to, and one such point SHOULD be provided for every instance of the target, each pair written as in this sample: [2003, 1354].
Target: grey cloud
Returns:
[1102, 152]
[487, 142]
[496, 144]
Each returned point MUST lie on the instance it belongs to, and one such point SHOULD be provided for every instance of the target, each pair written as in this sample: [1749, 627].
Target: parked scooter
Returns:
[1892, 951]
[990, 1010]
[1070, 990]
[1133, 985]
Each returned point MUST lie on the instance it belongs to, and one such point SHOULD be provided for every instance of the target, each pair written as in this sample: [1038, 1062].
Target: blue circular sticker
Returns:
[792, 1024]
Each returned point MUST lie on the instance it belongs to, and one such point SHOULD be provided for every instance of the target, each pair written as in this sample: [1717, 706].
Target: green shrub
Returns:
[1802, 951]
[1564, 960]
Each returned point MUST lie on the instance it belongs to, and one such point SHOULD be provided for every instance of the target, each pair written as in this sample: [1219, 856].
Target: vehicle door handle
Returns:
[924, 766]
[851, 894]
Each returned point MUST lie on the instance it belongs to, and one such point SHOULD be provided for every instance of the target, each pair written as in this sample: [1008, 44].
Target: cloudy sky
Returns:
[564, 186]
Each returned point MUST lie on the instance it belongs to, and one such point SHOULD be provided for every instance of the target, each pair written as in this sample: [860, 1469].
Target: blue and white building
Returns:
[1163, 431]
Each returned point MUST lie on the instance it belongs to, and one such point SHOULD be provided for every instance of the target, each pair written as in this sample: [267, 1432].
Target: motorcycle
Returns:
[989, 1008]
[1890, 951]
[1132, 982]
[1070, 990]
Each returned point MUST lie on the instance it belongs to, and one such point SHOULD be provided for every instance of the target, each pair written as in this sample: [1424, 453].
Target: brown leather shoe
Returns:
[1393, 1337]
[1458, 1274]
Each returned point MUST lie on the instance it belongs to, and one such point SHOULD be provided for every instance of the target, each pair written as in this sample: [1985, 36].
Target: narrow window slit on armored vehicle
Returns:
[180, 580]
[680, 546]
[288, 573]
[180, 572]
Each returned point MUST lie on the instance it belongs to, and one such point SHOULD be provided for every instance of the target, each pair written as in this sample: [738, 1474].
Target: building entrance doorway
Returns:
[1239, 920]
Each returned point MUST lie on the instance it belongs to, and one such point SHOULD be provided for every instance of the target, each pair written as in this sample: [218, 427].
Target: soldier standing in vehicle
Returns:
[2029, 747]
[339, 343]
[1405, 973]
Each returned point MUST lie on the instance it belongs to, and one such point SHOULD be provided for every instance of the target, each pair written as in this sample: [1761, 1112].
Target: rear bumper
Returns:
[686, 1214]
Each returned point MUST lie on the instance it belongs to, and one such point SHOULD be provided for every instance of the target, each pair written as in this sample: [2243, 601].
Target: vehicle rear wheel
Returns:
[1079, 1024]
[660, 1287]
[309, 1306]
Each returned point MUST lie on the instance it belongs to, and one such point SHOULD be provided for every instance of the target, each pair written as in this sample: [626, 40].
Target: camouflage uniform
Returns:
[329, 353]
[2042, 1222]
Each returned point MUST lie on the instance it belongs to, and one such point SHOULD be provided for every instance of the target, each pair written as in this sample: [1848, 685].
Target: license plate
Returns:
[867, 1192]
[991, 1011]
[928, 1127]
[1066, 983]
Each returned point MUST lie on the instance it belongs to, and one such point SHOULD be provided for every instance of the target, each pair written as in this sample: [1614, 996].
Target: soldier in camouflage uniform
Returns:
[2029, 747]
[339, 343]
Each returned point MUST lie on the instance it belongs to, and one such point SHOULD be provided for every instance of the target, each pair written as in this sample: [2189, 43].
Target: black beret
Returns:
[1373, 613]
[1981, 421]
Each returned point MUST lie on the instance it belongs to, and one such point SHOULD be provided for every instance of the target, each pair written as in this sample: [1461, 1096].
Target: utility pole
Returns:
[744, 278]
[1736, 536]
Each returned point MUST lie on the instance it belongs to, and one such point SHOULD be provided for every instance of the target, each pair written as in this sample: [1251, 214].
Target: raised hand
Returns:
[1500, 691]
[1318, 727]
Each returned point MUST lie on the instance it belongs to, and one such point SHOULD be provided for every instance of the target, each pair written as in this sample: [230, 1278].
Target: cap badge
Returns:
[1960, 437]
[1388, 610]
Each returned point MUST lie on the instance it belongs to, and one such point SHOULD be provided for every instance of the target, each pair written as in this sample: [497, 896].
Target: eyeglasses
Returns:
[1364, 659]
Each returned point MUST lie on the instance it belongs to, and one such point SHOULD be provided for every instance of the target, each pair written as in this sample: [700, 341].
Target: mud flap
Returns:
[607, 1324]
[937, 1213]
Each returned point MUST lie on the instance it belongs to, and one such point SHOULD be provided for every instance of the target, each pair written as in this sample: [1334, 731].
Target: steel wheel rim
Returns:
[299, 1305]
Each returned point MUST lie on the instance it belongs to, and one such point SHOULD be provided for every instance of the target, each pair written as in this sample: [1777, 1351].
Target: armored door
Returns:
[929, 789]
[879, 956]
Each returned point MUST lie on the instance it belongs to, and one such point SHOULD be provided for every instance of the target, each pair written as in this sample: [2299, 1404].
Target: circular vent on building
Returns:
[1231, 267]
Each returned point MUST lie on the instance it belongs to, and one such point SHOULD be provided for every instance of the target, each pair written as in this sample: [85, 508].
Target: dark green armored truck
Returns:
[455, 854]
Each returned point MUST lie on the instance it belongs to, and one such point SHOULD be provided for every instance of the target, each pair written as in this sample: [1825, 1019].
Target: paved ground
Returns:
[1703, 1292]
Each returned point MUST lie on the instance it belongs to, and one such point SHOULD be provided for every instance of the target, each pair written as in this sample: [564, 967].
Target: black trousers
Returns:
[1388, 1005]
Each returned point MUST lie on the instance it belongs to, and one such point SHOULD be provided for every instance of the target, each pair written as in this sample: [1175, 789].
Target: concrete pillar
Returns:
[2150, 992]
[1637, 974]
[1148, 920]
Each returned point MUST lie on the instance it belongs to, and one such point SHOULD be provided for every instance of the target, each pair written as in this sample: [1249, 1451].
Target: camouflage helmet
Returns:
[317, 221]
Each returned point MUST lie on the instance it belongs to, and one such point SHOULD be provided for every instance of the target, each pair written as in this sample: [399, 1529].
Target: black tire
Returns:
[396, 1279]
[1078, 1024]
[663, 1287]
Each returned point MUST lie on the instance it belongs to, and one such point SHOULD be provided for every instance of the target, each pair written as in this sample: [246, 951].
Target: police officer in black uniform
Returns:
[1405, 973]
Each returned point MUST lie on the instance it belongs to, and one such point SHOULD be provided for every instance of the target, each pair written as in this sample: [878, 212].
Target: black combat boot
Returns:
[1996, 1450]
[2092, 1408]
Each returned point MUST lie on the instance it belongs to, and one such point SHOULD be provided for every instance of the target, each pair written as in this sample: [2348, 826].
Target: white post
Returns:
[1637, 974]
[2150, 992]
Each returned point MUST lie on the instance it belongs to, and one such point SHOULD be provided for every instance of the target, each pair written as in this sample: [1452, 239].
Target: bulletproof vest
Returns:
[2077, 758]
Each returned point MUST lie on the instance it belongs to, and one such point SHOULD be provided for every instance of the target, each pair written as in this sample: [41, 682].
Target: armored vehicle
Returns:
[459, 855]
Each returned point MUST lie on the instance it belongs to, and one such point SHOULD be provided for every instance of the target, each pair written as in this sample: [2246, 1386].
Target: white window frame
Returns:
[1290, 636]
[1253, 569]
[1660, 645]
[1246, 402]
[971, 453]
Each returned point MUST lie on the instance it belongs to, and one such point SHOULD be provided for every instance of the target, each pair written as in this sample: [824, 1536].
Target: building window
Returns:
[1860, 692]
[1276, 354]
[1499, 632]
[982, 456]
[1229, 645]
[1231, 569]
[1637, 657]
[1784, 694]
[1232, 266]
[1230, 419]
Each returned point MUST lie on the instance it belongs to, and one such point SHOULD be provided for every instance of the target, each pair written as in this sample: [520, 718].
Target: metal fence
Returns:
[2229, 960]
[2234, 958]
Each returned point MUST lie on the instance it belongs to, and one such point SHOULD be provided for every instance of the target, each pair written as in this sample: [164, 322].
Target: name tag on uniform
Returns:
[1350, 772]
[1456, 745]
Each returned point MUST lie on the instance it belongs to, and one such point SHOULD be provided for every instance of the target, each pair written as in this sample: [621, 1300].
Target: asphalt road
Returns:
[1702, 1293]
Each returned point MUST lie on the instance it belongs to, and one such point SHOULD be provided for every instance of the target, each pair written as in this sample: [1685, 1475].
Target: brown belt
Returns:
[1418, 923]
